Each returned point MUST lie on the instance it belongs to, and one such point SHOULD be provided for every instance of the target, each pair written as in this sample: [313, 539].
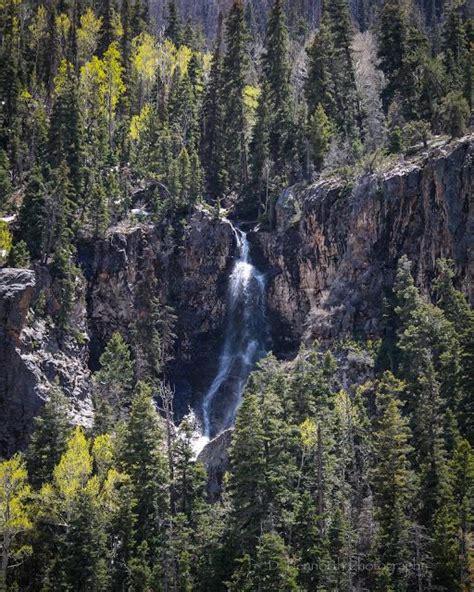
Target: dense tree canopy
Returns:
[107, 118]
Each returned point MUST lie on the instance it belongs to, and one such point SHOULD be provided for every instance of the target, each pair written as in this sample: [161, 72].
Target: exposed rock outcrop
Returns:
[330, 260]
[215, 457]
[133, 268]
[33, 355]
[335, 248]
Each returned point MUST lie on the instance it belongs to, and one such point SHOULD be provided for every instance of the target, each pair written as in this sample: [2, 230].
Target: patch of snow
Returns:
[9, 219]
[140, 212]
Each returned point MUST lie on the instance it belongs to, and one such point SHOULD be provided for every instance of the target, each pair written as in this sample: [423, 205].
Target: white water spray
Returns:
[244, 343]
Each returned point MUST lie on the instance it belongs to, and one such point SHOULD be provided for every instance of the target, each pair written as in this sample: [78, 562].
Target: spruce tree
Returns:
[319, 85]
[5, 179]
[107, 33]
[276, 70]
[213, 125]
[392, 477]
[10, 81]
[113, 383]
[392, 33]
[142, 458]
[246, 481]
[458, 311]
[83, 551]
[33, 214]
[347, 101]
[66, 130]
[320, 133]
[455, 46]
[235, 73]
[19, 255]
[273, 570]
[260, 161]
[174, 30]
[48, 441]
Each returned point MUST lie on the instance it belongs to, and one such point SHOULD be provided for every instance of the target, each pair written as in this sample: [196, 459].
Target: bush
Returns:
[395, 140]
[416, 132]
[19, 256]
[453, 114]
[5, 240]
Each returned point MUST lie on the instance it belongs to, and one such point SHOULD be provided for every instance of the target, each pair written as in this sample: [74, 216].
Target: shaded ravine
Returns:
[244, 342]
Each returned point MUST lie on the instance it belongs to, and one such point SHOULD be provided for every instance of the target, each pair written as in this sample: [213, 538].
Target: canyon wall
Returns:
[329, 260]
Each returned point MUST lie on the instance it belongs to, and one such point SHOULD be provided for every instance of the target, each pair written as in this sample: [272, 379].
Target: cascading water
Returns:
[244, 343]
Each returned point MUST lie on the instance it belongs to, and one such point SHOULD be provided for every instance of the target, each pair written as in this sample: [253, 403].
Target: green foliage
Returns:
[142, 458]
[96, 107]
[320, 132]
[453, 114]
[19, 255]
[417, 131]
[48, 441]
[15, 514]
[113, 384]
[5, 240]
[234, 80]
[5, 179]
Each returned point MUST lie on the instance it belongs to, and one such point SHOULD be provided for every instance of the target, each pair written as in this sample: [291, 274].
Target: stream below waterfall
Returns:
[245, 342]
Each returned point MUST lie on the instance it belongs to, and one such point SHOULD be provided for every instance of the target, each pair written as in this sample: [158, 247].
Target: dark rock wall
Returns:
[189, 273]
[330, 260]
[335, 249]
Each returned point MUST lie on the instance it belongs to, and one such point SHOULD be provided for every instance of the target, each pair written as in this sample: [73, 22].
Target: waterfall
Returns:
[244, 342]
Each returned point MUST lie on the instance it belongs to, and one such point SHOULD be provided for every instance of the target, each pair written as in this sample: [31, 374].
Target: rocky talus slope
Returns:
[330, 260]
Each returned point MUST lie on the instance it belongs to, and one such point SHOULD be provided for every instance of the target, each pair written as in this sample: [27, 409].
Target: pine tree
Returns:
[261, 163]
[33, 215]
[196, 184]
[60, 208]
[453, 114]
[19, 256]
[126, 49]
[407, 69]
[319, 85]
[143, 460]
[5, 179]
[276, 70]
[184, 171]
[107, 37]
[393, 479]
[83, 549]
[347, 101]
[425, 337]
[462, 468]
[100, 210]
[320, 132]
[48, 441]
[459, 313]
[235, 73]
[213, 126]
[65, 132]
[113, 383]
[392, 33]
[183, 110]
[10, 81]
[455, 45]
[174, 30]
[273, 570]
[246, 481]
[140, 17]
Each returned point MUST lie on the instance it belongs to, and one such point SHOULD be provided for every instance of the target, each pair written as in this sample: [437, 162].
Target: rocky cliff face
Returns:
[34, 354]
[335, 248]
[138, 269]
[329, 261]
